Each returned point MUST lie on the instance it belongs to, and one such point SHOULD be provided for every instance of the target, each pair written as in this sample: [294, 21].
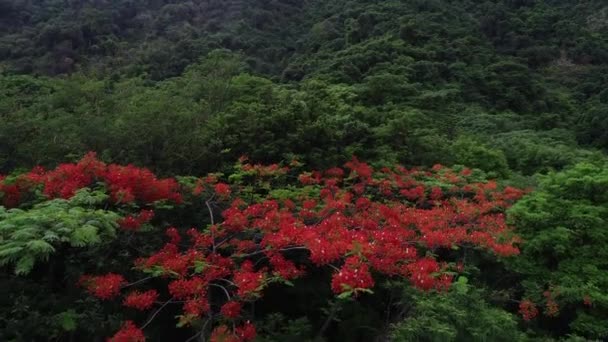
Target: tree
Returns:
[342, 231]
[563, 260]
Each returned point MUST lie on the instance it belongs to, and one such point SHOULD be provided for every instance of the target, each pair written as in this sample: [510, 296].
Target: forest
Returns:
[303, 170]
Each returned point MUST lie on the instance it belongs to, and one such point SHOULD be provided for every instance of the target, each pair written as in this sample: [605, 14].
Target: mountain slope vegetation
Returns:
[510, 93]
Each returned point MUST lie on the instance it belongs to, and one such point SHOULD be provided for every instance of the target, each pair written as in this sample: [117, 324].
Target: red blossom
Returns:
[413, 194]
[466, 172]
[284, 268]
[134, 222]
[128, 333]
[243, 333]
[422, 273]
[362, 170]
[125, 183]
[141, 300]
[222, 190]
[373, 221]
[436, 193]
[173, 235]
[353, 276]
[246, 332]
[129, 183]
[231, 309]
[103, 287]
[247, 281]
[11, 195]
[66, 179]
[335, 172]
[198, 188]
[308, 178]
[223, 334]
[185, 288]
[528, 310]
[197, 306]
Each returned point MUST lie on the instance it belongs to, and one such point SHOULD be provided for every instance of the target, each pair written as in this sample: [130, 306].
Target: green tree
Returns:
[563, 226]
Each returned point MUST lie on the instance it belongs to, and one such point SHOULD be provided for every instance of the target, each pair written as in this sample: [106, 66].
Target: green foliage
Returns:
[474, 154]
[462, 314]
[388, 81]
[30, 236]
[529, 152]
[276, 328]
[516, 88]
[563, 225]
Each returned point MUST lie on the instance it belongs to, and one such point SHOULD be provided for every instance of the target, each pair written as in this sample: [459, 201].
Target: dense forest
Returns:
[303, 170]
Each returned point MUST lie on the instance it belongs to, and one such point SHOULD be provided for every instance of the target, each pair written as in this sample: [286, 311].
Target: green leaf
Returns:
[40, 247]
[67, 320]
[25, 265]
[345, 295]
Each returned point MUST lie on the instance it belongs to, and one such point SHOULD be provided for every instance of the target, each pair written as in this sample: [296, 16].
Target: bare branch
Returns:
[223, 288]
[156, 313]
[137, 282]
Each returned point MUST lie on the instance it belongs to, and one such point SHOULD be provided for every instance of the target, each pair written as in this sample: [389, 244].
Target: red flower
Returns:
[128, 183]
[223, 334]
[354, 275]
[436, 193]
[414, 194]
[308, 178]
[135, 222]
[103, 287]
[527, 309]
[141, 301]
[354, 222]
[246, 332]
[362, 170]
[222, 190]
[231, 309]
[66, 179]
[173, 235]
[335, 172]
[284, 268]
[248, 281]
[422, 272]
[182, 289]
[128, 333]
[197, 307]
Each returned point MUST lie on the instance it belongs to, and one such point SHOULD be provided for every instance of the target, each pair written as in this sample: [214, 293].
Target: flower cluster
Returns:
[141, 300]
[134, 222]
[105, 286]
[528, 310]
[260, 170]
[128, 333]
[248, 281]
[360, 224]
[222, 190]
[125, 184]
[353, 276]
[231, 309]
[129, 183]
[243, 333]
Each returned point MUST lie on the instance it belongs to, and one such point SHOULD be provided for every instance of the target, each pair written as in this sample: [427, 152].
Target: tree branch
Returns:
[223, 288]
[156, 313]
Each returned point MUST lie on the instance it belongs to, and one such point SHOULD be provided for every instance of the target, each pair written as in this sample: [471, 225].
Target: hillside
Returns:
[510, 93]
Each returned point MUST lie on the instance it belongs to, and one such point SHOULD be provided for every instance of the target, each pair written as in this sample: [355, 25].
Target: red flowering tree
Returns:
[271, 225]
